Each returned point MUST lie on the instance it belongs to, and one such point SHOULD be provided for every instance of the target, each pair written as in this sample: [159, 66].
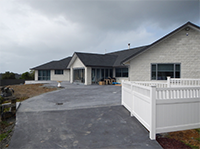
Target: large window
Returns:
[43, 74]
[99, 74]
[57, 72]
[162, 71]
[121, 72]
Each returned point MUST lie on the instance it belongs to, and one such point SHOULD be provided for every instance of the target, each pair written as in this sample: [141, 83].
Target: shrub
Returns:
[8, 75]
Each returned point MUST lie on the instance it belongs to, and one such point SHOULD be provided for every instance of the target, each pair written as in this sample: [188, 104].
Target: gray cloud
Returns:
[33, 32]
[121, 15]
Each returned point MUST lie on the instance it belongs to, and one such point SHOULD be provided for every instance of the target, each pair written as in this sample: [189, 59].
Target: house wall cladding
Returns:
[78, 64]
[60, 77]
[64, 77]
[179, 48]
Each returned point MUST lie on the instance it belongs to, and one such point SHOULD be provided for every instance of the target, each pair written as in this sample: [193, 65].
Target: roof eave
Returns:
[72, 60]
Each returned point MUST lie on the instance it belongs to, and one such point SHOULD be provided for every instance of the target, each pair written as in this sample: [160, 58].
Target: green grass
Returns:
[193, 147]
[198, 139]
[4, 135]
[9, 131]
[198, 130]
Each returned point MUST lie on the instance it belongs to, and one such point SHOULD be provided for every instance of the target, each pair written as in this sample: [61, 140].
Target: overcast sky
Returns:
[33, 32]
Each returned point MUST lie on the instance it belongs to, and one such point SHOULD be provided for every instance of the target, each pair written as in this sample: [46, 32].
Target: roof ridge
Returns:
[88, 53]
[65, 58]
[127, 49]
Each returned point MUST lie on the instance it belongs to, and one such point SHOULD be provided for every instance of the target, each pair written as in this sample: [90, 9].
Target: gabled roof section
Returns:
[96, 60]
[188, 24]
[54, 65]
[113, 59]
[124, 54]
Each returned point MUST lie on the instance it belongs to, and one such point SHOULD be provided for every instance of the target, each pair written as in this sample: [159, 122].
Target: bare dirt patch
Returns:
[190, 137]
[168, 143]
[186, 139]
[26, 91]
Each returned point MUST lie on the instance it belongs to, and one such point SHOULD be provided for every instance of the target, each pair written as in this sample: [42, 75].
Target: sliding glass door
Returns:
[99, 74]
[44, 75]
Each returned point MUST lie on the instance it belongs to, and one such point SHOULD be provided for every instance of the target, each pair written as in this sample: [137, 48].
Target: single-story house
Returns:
[176, 54]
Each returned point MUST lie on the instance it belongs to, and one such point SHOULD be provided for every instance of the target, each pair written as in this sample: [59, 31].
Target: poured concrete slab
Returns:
[74, 97]
[102, 127]
[86, 117]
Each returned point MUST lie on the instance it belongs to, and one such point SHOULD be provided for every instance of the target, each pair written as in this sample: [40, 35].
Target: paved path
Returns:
[90, 117]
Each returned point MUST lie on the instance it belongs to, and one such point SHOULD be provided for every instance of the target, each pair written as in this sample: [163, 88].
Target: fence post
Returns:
[168, 81]
[152, 134]
[122, 95]
[132, 99]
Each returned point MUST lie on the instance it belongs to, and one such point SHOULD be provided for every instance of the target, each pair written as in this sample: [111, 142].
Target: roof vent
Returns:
[59, 103]
[129, 45]
[187, 28]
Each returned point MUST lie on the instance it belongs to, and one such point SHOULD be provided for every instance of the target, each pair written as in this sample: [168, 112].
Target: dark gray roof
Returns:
[124, 54]
[96, 60]
[113, 59]
[61, 64]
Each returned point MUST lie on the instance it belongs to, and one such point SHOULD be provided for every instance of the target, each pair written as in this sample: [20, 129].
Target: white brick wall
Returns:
[179, 48]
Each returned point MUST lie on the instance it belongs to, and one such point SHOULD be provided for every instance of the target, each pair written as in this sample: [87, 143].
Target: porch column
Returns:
[36, 75]
[88, 79]
[52, 74]
[113, 72]
[71, 75]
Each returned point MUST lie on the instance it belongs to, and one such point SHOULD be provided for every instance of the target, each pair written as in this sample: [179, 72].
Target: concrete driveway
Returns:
[89, 117]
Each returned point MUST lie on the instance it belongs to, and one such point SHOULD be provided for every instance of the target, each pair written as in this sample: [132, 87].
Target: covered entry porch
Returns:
[88, 75]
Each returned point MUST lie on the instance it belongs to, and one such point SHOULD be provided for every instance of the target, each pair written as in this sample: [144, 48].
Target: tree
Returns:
[28, 75]
[32, 74]
[8, 75]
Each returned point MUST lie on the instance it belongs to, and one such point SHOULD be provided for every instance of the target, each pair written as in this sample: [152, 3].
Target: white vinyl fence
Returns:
[163, 109]
[183, 82]
[38, 82]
